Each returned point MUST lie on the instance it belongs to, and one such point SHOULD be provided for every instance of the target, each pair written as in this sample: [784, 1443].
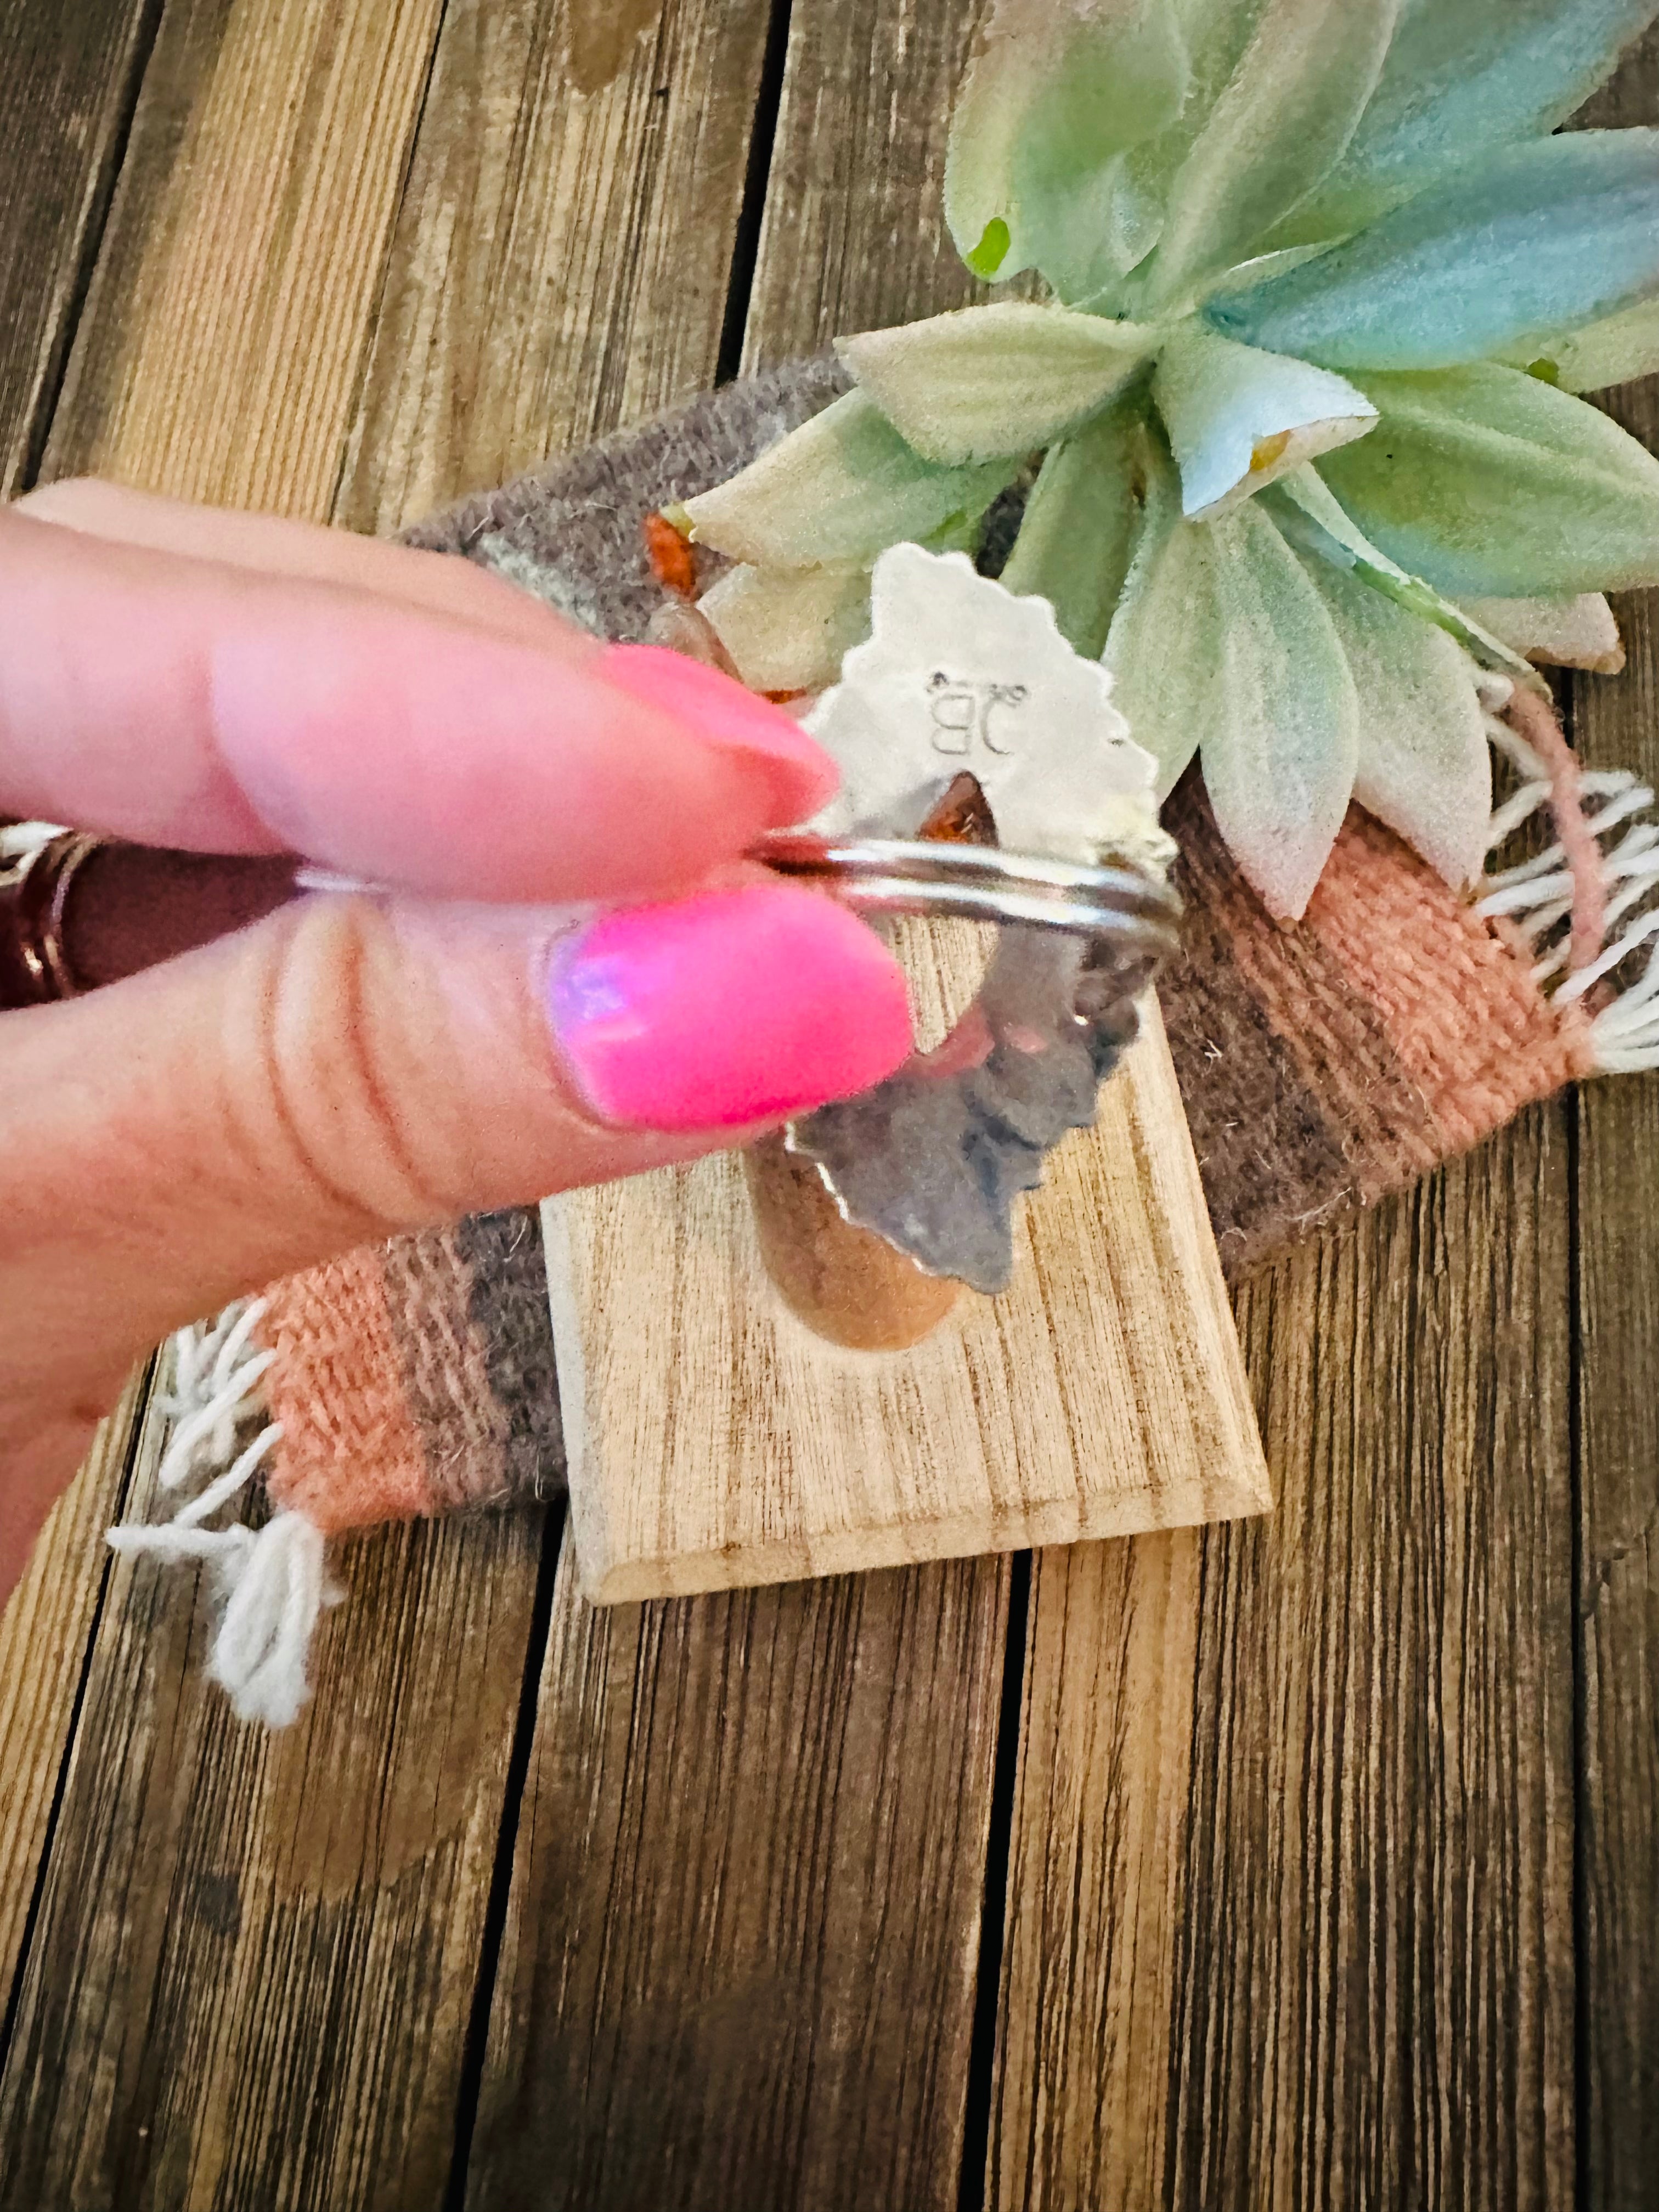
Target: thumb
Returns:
[348, 1068]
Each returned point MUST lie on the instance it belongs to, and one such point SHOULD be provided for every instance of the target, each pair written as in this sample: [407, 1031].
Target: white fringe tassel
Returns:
[269, 1582]
[1536, 895]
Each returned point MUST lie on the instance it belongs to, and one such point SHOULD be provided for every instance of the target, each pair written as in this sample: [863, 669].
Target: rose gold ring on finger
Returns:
[38, 868]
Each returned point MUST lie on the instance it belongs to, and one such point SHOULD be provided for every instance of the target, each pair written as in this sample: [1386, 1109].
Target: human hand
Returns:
[338, 1069]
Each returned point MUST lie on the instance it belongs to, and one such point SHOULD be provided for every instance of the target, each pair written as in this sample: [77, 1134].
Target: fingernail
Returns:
[722, 713]
[731, 1007]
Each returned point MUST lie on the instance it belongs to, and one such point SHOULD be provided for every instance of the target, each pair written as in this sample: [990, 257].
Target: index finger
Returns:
[214, 708]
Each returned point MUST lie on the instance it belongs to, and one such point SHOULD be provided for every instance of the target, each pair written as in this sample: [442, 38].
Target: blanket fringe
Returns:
[1546, 897]
[270, 1584]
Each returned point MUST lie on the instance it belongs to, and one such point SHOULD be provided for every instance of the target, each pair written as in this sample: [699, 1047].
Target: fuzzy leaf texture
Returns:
[1281, 745]
[1167, 638]
[1283, 121]
[787, 629]
[1238, 418]
[1462, 78]
[1078, 535]
[1303, 506]
[982, 381]
[1491, 484]
[838, 491]
[1540, 239]
[1423, 763]
[1571, 633]
[1624, 346]
[1052, 98]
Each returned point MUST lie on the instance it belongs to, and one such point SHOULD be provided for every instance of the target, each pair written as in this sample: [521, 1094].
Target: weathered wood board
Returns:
[714, 1440]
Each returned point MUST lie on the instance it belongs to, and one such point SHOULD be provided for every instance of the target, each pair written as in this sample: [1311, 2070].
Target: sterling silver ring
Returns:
[982, 883]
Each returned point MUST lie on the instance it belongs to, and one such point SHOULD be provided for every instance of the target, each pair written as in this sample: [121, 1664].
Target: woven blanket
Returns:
[1322, 1065]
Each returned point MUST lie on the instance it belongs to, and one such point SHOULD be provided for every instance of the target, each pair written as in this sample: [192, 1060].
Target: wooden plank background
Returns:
[1312, 1862]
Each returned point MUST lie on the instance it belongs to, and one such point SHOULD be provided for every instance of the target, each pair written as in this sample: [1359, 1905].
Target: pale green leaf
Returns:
[1239, 418]
[1282, 121]
[1462, 77]
[1424, 764]
[787, 629]
[1280, 747]
[1306, 511]
[983, 381]
[1051, 98]
[837, 491]
[1165, 645]
[1612, 351]
[1538, 238]
[1491, 484]
[1568, 633]
[1078, 534]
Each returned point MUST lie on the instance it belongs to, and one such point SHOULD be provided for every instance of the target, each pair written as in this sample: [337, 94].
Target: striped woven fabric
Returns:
[1322, 1065]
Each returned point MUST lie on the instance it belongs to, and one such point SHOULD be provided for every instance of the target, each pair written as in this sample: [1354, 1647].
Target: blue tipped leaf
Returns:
[1238, 418]
[1463, 78]
[1277, 127]
[1492, 484]
[1541, 238]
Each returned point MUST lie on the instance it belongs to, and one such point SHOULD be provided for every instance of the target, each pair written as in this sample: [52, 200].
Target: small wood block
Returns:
[713, 1440]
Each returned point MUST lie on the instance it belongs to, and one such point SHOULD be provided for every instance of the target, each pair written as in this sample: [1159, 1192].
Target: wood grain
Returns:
[1616, 723]
[827, 2074]
[252, 1969]
[42, 1642]
[229, 321]
[714, 1440]
[1080, 2097]
[737, 1969]
[1369, 1982]
[255, 1964]
[561, 260]
[67, 80]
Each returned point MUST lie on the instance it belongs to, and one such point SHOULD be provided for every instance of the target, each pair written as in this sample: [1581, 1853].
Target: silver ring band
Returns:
[982, 883]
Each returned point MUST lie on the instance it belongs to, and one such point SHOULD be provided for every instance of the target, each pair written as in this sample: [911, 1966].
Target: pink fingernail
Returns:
[722, 713]
[731, 1007]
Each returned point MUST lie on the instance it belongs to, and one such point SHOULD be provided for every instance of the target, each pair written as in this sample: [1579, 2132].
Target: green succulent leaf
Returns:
[1424, 764]
[1168, 691]
[1612, 351]
[836, 492]
[1579, 632]
[1280, 741]
[1280, 125]
[1239, 418]
[982, 381]
[1078, 536]
[1540, 237]
[1315, 522]
[1051, 98]
[1492, 484]
[1462, 77]
[787, 629]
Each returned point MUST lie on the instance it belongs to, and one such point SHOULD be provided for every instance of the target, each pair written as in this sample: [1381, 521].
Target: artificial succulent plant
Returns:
[1321, 282]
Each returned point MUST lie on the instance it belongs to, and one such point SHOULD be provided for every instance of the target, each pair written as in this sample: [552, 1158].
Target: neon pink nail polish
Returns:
[722, 713]
[729, 1008]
